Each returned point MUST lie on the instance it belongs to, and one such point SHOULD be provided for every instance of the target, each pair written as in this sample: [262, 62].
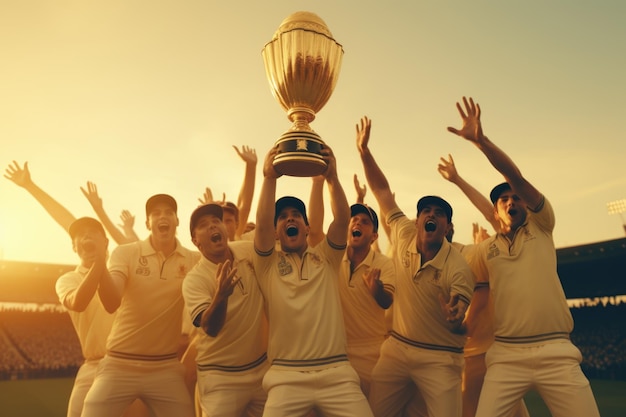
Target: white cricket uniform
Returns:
[365, 322]
[141, 360]
[232, 364]
[307, 339]
[92, 327]
[532, 324]
[422, 348]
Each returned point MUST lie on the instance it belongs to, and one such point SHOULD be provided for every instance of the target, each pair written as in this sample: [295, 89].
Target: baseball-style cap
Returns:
[498, 190]
[368, 211]
[85, 223]
[290, 201]
[436, 201]
[205, 210]
[160, 199]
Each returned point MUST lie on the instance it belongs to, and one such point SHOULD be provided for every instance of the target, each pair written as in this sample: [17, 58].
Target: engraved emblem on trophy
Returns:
[302, 63]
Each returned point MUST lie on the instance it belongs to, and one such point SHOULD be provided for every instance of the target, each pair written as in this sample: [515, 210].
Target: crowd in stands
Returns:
[41, 343]
[37, 344]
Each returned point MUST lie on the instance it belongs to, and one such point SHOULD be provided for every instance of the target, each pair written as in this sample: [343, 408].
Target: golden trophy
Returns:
[302, 63]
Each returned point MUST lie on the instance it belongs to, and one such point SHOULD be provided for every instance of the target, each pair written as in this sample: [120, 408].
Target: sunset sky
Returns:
[144, 97]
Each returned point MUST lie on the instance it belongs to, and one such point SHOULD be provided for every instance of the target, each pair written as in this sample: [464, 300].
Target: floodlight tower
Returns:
[618, 207]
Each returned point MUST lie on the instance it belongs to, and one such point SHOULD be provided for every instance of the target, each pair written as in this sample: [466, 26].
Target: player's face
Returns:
[291, 230]
[162, 222]
[230, 221]
[361, 231]
[87, 243]
[432, 224]
[210, 237]
[510, 210]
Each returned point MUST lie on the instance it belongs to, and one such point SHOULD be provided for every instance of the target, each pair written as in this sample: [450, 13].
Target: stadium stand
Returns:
[37, 338]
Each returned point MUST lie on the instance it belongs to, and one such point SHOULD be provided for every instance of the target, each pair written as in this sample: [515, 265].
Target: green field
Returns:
[48, 397]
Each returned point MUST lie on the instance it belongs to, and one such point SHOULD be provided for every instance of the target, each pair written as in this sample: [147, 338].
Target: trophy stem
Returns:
[301, 117]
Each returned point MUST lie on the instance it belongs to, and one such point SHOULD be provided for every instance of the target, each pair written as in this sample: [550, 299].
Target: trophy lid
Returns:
[305, 21]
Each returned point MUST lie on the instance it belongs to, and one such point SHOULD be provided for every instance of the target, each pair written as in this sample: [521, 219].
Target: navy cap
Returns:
[436, 201]
[498, 190]
[368, 211]
[290, 201]
[205, 210]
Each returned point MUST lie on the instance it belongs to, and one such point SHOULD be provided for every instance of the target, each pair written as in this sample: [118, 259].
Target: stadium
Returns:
[37, 340]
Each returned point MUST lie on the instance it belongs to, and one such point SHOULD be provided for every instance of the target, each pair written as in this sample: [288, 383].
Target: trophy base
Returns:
[299, 154]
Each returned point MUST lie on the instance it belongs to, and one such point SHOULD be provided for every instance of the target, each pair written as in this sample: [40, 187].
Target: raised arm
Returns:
[375, 178]
[472, 131]
[448, 171]
[246, 194]
[316, 210]
[21, 177]
[264, 236]
[360, 191]
[81, 296]
[338, 228]
[128, 225]
[91, 193]
[207, 197]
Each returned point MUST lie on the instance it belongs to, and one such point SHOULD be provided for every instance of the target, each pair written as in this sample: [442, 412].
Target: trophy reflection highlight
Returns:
[302, 63]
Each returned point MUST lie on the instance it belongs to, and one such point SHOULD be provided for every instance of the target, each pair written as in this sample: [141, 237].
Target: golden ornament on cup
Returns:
[302, 63]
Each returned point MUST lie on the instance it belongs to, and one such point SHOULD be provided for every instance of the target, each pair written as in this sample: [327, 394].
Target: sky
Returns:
[144, 97]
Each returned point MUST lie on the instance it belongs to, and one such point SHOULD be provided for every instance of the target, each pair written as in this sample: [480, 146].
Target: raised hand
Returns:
[472, 129]
[226, 279]
[360, 191]
[479, 233]
[20, 176]
[268, 164]
[207, 197]
[91, 193]
[247, 153]
[447, 169]
[363, 134]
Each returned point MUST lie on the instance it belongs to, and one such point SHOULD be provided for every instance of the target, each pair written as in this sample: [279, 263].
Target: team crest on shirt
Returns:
[284, 267]
[436, 277]
[314, 257]
[493, 251]
[182, 271]
[528, 235]
[143, 269]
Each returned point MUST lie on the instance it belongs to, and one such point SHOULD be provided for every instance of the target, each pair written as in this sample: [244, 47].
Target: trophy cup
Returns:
[302, 63]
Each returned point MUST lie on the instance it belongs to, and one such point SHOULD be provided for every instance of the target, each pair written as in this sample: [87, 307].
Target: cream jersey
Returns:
[364, 319]
[522, 273]
[241, 344]
[306, 330]
[94, 323]
[418, 318]
[482, 336]
[148, 323]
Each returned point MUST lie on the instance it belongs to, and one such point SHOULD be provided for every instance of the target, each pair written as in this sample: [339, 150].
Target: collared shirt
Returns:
[94, 323]
[148, 324]
[529, 302]
[418, 319]
[364, 319]
[241, 344]
[306, 330]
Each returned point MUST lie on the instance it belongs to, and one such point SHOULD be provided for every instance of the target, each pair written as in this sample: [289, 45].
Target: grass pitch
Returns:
[48, 397]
